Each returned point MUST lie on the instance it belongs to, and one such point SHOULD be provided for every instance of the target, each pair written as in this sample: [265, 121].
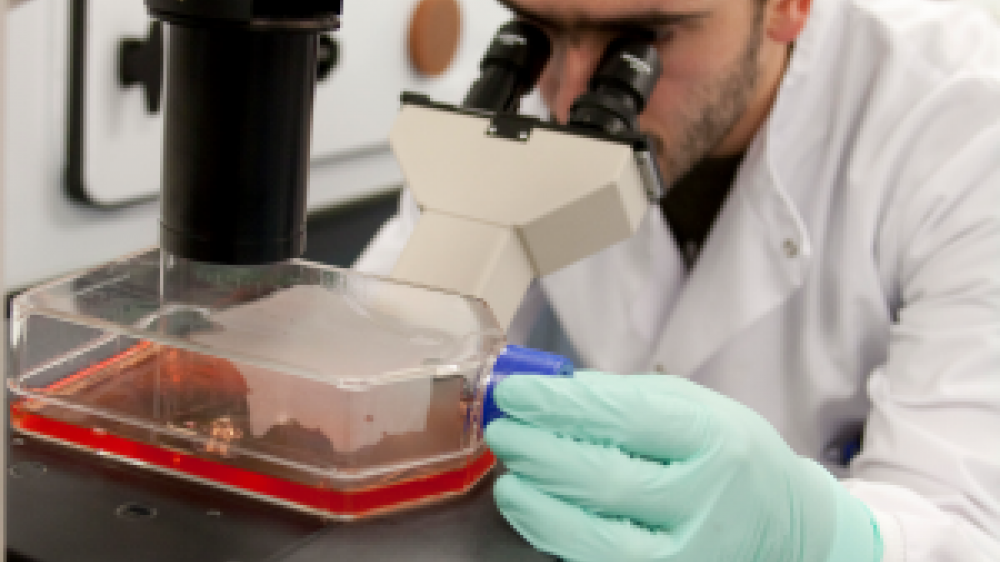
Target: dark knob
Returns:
[140, 62]
[328, 57]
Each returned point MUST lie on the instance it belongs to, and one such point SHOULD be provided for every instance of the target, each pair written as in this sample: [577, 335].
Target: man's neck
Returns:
[774, 62]
[693, 202]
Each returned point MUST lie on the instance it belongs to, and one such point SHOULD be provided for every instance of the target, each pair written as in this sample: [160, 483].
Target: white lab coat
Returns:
[853, 275]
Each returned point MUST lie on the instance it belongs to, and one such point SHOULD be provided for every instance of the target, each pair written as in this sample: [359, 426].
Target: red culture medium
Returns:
[317, 499]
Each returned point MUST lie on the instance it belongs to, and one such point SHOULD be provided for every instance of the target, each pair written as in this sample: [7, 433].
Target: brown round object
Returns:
[434, 32]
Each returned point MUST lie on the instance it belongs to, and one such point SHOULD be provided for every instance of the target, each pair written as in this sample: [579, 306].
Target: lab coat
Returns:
[852, 278]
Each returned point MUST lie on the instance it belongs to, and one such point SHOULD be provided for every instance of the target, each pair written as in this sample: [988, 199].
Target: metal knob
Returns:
[328, 57]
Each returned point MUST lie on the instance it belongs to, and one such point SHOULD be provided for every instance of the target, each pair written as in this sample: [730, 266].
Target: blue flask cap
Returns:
[517, 360]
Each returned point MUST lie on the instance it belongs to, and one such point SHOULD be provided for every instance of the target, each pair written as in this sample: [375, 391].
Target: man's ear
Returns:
[786, 19]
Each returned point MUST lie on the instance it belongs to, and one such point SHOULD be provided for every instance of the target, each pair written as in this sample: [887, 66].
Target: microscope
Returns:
[507, 198]
[222, 359]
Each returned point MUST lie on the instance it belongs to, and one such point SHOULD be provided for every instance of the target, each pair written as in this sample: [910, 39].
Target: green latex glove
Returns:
[651, 467]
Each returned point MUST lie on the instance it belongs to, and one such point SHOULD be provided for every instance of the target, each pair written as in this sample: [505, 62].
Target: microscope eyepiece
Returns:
[619, 89]
[511, 67]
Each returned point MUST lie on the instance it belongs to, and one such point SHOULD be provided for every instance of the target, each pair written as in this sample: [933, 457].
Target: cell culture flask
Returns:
[320, 389]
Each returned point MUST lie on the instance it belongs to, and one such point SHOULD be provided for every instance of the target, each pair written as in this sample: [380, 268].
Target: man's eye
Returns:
[652, 34]
[658, 35]
[548, 29]
[665, 35]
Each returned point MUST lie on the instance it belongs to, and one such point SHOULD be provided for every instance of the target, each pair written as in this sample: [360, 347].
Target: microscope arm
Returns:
[500, 209]
[469, 257]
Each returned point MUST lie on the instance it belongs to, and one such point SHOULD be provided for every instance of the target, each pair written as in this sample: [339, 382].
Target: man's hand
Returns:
[650, 467]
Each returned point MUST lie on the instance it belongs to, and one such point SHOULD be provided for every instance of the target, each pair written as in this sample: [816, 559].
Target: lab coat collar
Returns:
[760, 250]
[756, 256]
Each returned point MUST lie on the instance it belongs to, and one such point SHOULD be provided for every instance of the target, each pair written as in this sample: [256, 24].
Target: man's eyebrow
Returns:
[651, 19]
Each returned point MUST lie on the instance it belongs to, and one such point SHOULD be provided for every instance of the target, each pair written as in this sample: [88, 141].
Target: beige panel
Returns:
[451, 164]
[469, 257]
[577, 230]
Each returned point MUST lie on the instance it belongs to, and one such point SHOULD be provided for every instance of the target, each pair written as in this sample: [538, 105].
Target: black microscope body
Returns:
[240, 78]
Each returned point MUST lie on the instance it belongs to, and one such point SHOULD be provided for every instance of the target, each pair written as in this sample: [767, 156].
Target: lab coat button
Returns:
[791, 248]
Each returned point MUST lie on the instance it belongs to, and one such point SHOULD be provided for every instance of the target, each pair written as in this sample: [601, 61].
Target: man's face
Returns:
[711, 58]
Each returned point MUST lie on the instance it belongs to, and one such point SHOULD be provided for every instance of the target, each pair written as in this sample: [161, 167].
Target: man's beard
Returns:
[726, 101]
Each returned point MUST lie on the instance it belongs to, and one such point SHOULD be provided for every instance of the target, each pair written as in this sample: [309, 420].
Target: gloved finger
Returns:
[656, 419]
[565, 530]
[601, 479]
[656, 382]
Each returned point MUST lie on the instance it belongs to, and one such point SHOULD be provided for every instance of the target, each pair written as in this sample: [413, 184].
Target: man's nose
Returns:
[569, 72]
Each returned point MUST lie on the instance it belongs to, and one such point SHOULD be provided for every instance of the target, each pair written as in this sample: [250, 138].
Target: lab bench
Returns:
[67, 506]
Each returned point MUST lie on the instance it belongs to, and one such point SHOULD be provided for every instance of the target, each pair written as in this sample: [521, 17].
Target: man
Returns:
[825, 267]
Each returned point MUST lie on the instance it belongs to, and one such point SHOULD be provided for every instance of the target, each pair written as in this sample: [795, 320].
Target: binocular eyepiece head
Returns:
[616, 95]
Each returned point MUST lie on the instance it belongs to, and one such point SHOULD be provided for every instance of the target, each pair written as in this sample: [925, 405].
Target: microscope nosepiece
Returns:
[241, 77]
[303, 15]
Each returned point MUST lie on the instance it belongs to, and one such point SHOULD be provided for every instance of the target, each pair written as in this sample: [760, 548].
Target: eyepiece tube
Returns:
[511, 67]
[619, 89]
